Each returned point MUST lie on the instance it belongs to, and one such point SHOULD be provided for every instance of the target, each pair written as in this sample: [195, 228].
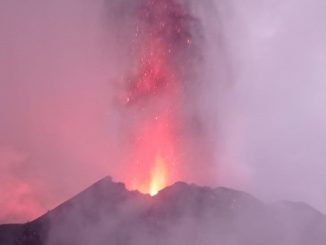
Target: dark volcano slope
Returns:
[107, 213]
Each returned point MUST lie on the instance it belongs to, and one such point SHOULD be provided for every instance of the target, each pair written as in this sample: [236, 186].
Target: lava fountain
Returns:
[152, 95]
[154, 155]
[158, 176]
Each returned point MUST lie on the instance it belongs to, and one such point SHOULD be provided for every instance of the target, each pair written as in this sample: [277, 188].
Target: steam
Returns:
[255, 91]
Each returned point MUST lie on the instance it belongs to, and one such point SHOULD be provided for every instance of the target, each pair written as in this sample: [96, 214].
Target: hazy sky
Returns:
[58, 63]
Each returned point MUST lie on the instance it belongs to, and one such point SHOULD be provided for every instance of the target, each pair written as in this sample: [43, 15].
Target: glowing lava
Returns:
[158, 176]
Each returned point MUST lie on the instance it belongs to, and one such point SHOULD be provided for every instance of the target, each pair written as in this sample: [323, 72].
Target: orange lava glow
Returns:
[158, 176]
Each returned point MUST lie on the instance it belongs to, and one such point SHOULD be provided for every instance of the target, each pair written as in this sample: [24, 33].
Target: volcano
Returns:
[107, 213]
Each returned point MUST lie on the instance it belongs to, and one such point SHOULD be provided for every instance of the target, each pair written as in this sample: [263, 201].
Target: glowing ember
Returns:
[158, 176]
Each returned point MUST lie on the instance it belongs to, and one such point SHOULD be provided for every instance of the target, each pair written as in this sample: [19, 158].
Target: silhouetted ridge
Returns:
[107, 213]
